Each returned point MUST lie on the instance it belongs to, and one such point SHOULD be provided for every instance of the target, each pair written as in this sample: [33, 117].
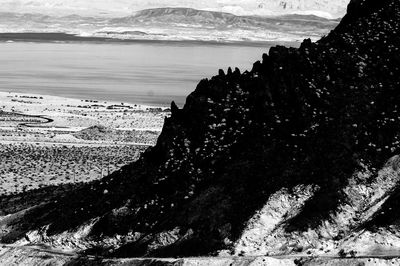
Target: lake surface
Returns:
[147, 73]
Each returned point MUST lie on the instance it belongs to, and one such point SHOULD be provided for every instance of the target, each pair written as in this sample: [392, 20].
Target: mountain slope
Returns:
[194, 16]
[297, 155]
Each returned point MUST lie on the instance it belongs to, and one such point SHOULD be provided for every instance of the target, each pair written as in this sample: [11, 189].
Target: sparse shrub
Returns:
[342, 253]
[352, 253]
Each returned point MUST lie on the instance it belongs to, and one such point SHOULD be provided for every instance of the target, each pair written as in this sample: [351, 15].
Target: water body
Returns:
[144, 72]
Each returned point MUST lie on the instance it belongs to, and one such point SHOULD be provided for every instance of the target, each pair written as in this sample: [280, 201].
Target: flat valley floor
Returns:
[48, 140]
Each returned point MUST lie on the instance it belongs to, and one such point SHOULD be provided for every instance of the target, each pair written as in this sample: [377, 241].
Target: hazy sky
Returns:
[334, 8]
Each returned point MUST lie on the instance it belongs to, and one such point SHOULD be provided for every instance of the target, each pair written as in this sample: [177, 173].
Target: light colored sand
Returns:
[35, 153]
[73, 113]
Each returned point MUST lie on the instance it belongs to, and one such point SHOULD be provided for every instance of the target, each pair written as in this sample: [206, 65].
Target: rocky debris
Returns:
[32, 256]
[42, 255]
[267, 231]
[281, 159]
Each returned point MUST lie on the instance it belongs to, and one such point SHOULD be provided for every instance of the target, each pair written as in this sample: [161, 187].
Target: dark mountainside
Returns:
[309, 116]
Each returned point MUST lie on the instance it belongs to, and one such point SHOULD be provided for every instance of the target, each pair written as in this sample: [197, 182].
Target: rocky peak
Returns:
[311, 125]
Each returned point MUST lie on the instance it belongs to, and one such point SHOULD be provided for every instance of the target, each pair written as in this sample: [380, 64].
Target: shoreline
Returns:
[180, 100]
[60, 37]
[68, 99]
[44, 113]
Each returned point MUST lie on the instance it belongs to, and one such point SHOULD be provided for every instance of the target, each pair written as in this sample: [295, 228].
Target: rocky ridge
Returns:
[296, 156]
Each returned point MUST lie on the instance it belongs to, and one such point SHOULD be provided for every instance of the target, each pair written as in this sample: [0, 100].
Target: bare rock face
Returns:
[287, 158]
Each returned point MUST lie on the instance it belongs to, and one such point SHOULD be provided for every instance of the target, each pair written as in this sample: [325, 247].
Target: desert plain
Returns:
[49, 140]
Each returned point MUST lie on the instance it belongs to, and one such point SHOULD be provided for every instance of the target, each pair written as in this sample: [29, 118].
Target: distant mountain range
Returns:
[194, 16]
[325, 8]
[174, 24]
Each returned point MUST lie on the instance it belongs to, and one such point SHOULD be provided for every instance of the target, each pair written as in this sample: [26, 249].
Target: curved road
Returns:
[33, 124]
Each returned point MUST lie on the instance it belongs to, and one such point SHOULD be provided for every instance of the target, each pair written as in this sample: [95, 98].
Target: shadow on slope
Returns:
[312, 115]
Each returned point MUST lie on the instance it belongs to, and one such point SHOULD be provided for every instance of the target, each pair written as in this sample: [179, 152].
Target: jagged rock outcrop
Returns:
[288, 157]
